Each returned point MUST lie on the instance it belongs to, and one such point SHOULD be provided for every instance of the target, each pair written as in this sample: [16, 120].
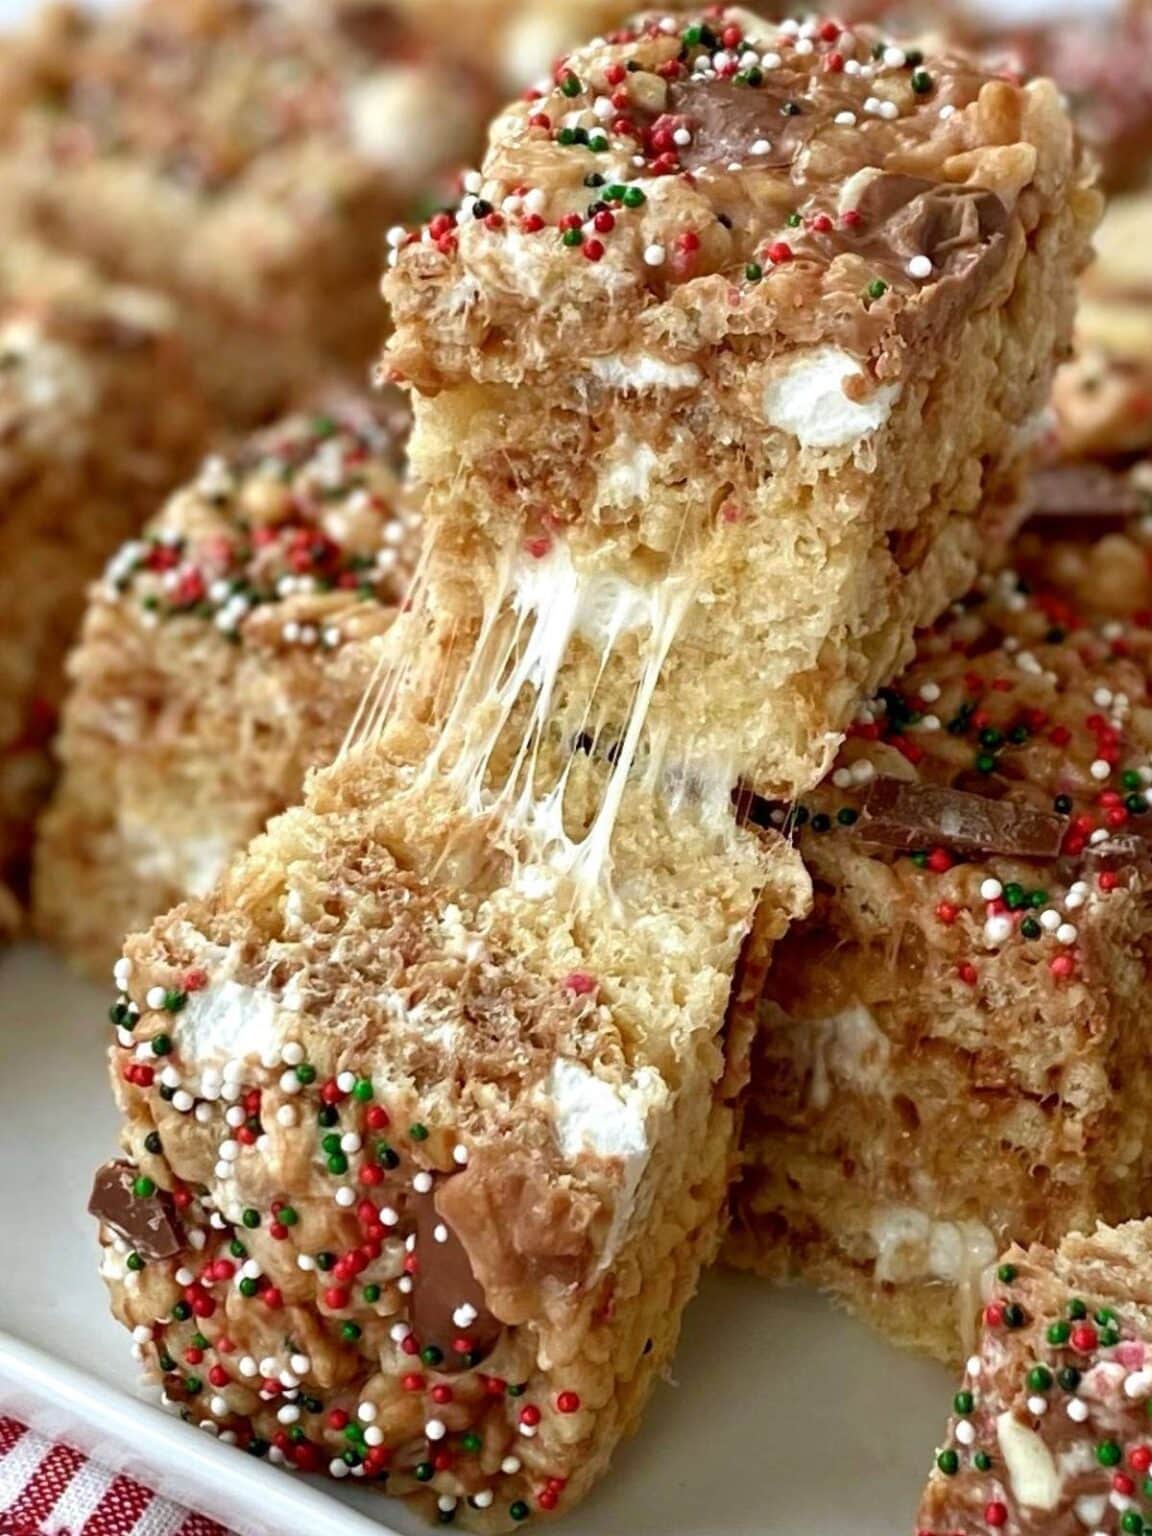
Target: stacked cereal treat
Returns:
[1050, 1431]
[952, 1045]
[430, 1107]
[712, 296]
[88, 441]
[245, 157]
[222, 656]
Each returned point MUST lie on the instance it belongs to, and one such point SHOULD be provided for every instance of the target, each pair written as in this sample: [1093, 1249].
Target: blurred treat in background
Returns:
[1104, 396]
[244, 158]
[99, 413]
[223, 655]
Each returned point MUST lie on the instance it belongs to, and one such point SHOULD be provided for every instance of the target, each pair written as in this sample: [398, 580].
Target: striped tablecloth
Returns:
[52, 1490]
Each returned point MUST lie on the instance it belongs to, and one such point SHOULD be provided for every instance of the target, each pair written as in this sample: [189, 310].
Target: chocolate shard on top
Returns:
[1070, 495]
[149, 1222]
[449, 1307]
[904, 815]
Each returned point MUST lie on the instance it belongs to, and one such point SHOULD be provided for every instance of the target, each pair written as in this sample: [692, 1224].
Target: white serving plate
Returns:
[784, 1417]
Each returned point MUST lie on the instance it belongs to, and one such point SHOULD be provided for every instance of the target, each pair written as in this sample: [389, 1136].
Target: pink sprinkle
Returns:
[581, 983]
[537, 547]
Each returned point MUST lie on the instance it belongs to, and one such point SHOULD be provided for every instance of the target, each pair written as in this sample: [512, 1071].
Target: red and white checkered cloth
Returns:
[51, 1490]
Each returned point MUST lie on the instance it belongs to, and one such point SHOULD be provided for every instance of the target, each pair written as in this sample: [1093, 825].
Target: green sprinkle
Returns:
[1030, 928]
[385, 1156]
[418, 1132]
[425, 1472]
[847, 817]
[949, 1463]
[1015, 1316]
[877, 288]
[325, 1261]
[1130, 779]
[754, 272]
[161, 1045]
[986, 763]
[134, 1262]
[1039, 1379]
[963, 1403]
[1059, 1334]
[181, 1312]
[152, 1143]
[363, 1091]
[237, 1249]
[305, 1073]
[571, 85]
[634, 197]
[431, 1355]
[1132, 1521]
[982, 1461]
[1108, 1453]
[251, 1219]
[248, 1287]
[288, 1216]
[174, 1001]
[793, 221]
[330, 1144]
[921, 82]
[471, 1443]
[337, 1164]
[573, 237]
[328, 1115]
[193, 1384]
[371, 1294]
[143, 1187]
[1069, 1378]
[350, 1332]
[518, 1510]
[1077, 1310]
[1006, 1274]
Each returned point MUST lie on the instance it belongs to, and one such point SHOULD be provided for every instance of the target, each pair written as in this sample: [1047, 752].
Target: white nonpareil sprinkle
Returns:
[422, 1183]
[460, 1153]
[292, 1054]
[122, 972]
[655, 255]
[895, 58]
[290, 1083]
[286, 1115]
[366, 1413]
[154, 997]
[510, 1466]
[350, 1142]
[991, 890]
[399, 1332]
[435, 1429]
[1037, 1406]
[345, 1196]
[440, 1233]
[965, 1433]
[1050, 920]
[1101, 770]
[920, 267]
[464, 1316]
[339, 1469]
[346, 1082]
[761, 147]
[182, 1101]
[930, 692]
[1067, 933]
[483, 1499]
[997, 930]
[845, 119]
[1078, 1410]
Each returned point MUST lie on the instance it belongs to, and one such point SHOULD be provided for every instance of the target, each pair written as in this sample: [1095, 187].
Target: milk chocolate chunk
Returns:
[148, 1222]
[901, 815]
[448, 1302]
[727, 120]
[1088, 495]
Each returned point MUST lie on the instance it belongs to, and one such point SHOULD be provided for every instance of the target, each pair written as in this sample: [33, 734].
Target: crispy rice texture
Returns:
[85, 452]
[826, 441]
[550, 1088]
[1049, 1434]
[223, 655]
[950, 1045]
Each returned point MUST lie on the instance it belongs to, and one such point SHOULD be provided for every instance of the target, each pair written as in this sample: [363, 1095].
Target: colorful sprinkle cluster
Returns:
[339, 1330]
[1053, 1415]
[1032, 697]
[671, 99]
[314, 506]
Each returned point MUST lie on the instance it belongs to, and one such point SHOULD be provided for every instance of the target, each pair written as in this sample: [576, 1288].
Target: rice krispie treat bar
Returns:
[223, 655]
[1050, 1428]
[245, 157]
[88, 443]
[424, 1152]
[1103, 398]
[951, 1048]
[776, 302]
[477, 1015]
